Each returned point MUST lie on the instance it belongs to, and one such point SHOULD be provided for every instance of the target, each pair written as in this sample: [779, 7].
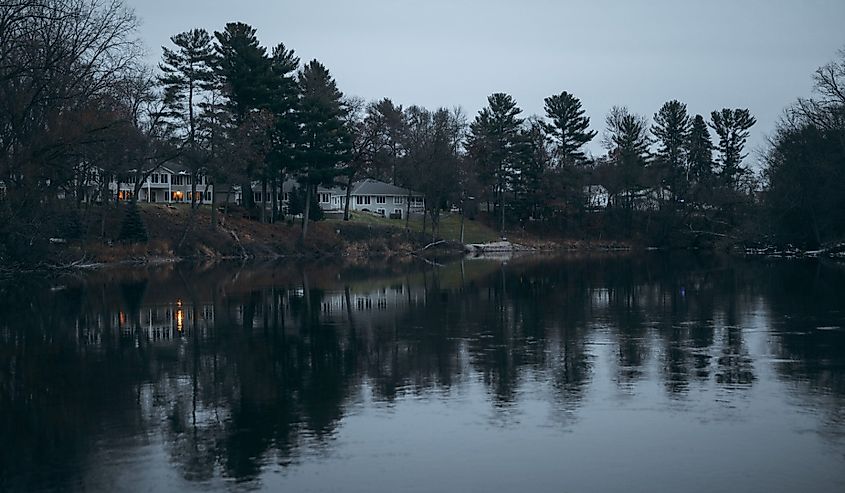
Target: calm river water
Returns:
[582, 374]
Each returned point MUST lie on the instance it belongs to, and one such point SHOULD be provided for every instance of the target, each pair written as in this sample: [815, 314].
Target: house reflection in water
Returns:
[370, 307]
[154, 322]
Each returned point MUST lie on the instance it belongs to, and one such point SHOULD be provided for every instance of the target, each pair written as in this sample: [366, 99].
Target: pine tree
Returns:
[627, 142]
[283, 104]
[132, 229]
[186, 74]
[245, 67]
[671, 129]
[534, 164]
[245, 70]
[732, 128]
[494, 143]
[699, 154]
[569, 127]
[325, 140]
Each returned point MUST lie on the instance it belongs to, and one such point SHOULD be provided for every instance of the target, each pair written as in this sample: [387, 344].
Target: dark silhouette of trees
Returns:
[627, 142]
[671, 130]
[186, 76]
[568, 129]
[325, 141]
[79, 111]
[805, 167]
[732, 128]
[494, 145]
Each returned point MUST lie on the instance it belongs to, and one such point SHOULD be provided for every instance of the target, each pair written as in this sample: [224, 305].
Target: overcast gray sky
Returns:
[710, 54]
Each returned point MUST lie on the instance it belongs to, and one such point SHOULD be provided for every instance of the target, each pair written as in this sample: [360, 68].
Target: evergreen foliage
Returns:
[699, 153]
[132, 229]
[186, 76]
[569, 128]
[325, 140]
[671, 130]
[732, 128]
[494, 143]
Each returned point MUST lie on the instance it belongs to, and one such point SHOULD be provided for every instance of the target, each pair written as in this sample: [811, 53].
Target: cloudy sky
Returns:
[756, 54]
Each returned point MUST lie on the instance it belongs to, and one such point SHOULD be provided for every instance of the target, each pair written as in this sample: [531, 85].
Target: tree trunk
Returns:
[407, 210]
[247, 199]
[348, 198]
[307, 211]
[502, 210]
[274, 201]
[463, 215]
[281, 214]
[213, 207]
[263, 200]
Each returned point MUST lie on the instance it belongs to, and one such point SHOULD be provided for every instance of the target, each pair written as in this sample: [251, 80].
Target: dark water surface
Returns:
[658, 373]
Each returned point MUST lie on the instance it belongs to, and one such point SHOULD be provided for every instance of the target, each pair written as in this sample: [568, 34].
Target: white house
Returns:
[381, 198]
[169, 184]
[367, 195]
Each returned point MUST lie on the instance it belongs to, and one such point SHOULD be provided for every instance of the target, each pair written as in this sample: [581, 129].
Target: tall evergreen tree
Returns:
[732, 128]
[283, 104]
[671, 129]
[494, 143]
[325, 141]
[391, 119]
[244, 67]
[569, 128]
[186, 75]
[699, 154]
[534, 164]
[627, 142]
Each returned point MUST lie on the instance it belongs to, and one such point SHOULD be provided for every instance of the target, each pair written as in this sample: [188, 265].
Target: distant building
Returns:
[367, 195]
[172, 184]
[169, 184]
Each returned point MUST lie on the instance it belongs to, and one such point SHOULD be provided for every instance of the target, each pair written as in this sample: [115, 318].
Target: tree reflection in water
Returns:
[235, 368]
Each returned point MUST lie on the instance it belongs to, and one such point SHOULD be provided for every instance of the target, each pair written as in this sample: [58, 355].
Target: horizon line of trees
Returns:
[80, 111]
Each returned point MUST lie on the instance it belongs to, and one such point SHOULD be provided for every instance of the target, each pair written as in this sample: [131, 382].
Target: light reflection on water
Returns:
[583, 374]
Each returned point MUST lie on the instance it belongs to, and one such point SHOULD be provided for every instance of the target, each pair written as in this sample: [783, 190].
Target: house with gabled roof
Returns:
[367, 195]
[382, 198]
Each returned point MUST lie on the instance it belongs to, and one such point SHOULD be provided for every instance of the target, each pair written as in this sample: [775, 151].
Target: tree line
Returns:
[79, 109]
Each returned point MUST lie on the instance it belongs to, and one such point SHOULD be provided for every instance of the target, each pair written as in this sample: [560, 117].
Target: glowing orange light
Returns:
[180, 317]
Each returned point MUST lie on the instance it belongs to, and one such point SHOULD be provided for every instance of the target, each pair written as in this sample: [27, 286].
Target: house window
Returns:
[380, 212]
[324, 197]
[177, 196]
[154, 178]
[398, 212]
[398, 200]
[164, 178]
[256, 196]
[418, 200]
[286, 196]
[381, 199]
[367, 200]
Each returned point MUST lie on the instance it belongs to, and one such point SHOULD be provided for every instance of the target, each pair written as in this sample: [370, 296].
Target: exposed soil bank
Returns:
[176, 233]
